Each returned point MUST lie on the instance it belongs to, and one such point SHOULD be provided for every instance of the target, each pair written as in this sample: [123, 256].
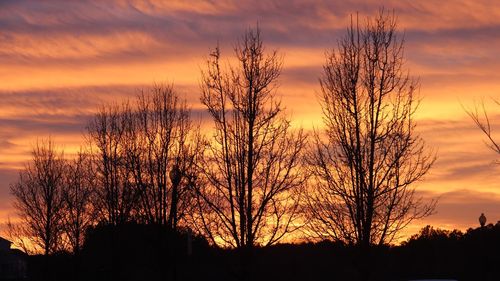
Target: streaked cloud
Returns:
[61, 59]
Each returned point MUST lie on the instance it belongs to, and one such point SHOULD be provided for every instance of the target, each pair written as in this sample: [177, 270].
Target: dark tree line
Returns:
[432, 254]
[253, 179]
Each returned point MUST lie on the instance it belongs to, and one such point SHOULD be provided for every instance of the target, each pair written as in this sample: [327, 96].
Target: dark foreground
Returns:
[136, 252]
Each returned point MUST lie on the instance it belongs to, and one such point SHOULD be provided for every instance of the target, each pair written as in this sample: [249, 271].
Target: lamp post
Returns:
[482, 220]
[175, 178]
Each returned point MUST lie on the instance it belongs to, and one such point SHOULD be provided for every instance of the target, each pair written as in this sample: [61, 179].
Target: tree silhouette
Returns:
[117, 199]
[78, 195]
[369, 155]
[251, 168]
[162, 146]
[137, 146]
[39, 200]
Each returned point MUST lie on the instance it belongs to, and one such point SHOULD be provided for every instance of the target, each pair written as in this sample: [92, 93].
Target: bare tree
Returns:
[161, 150]
[369, 156]
[78, 195]
[39, 198]
[146, 154]
[116, 199]
[251, 168]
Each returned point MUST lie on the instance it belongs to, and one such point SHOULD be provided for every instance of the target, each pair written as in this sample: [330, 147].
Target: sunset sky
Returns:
[59, 60]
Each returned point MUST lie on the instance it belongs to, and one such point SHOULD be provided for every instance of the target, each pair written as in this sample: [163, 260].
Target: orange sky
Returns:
[60, 59]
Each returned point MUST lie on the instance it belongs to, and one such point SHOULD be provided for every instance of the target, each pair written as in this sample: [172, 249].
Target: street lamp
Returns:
[175, 175]
[175, 178]
[482, 220]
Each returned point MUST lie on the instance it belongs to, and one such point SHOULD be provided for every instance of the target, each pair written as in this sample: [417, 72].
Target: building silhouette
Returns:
[12, 262]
